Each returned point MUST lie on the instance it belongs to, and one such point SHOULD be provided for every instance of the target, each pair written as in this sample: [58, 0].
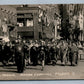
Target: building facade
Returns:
[29, 26]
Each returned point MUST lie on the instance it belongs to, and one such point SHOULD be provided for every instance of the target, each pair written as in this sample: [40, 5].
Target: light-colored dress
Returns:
[80, 51]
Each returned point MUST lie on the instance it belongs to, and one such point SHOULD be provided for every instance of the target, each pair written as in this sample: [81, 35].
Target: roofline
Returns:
[28, 8]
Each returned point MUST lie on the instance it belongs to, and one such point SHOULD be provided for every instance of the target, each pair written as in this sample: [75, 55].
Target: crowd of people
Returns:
[36, 52]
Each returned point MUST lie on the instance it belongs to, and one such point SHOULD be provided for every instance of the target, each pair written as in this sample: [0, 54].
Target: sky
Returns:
[40, 1]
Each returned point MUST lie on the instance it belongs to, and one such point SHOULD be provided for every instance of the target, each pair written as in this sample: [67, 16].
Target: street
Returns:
[50, 72]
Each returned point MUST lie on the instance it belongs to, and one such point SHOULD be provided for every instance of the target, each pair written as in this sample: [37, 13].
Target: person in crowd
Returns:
[26, 52]
[47, 55]
[63, 52]
[53, 54]
[1, 51]
[80, 50]
[42, 54]
[73, 54]
[34, 54]
[19, 56]
[6, 53]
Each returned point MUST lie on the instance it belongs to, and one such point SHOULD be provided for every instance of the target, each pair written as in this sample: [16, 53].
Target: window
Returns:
[20, 22]
[20, 14]
[29, 23]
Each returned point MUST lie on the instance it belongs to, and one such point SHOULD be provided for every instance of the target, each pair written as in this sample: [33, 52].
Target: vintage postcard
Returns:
[41, 41]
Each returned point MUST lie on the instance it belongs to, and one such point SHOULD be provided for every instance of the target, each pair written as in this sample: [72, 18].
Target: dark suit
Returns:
[19, 57]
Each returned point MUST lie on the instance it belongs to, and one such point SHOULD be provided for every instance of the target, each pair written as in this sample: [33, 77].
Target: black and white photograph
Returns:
[41, 41]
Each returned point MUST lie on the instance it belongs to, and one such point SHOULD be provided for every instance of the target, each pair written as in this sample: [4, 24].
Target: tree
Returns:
[65, 25]
[76, 31]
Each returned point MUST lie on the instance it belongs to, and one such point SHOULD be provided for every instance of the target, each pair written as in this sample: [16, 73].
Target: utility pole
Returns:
[55, 23]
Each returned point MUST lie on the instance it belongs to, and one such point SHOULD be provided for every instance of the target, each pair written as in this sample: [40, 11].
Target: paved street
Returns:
[50, 72]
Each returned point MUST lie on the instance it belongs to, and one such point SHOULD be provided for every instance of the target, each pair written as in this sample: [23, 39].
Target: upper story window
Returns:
[20, 22]
[25, 19]
[20, 14]
[29, 22]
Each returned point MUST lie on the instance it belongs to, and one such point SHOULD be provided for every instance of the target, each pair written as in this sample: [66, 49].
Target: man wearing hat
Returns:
[42, 54]
[63, 52]
[73, 54]
[19, 56]
[34, 54]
